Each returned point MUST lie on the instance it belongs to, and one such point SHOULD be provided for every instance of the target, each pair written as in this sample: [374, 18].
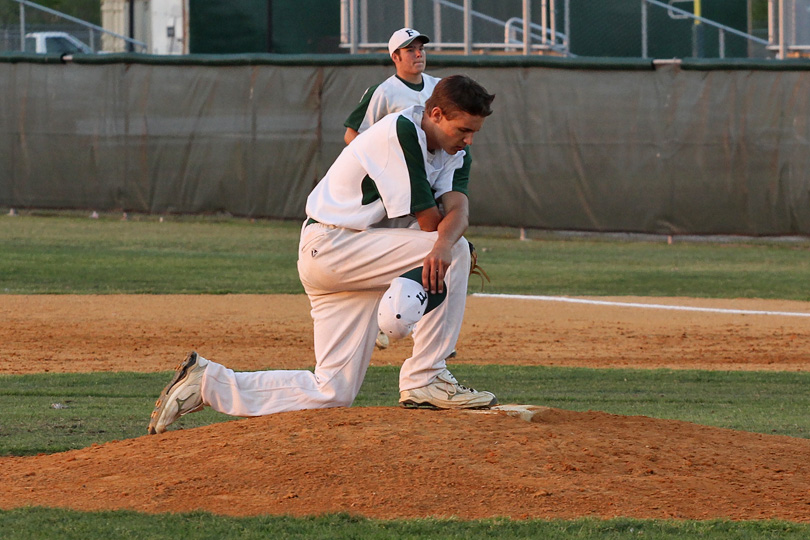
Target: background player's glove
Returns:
[474, 268]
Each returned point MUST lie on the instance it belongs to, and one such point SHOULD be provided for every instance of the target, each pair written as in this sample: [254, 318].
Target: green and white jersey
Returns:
[391, 95]
[386, 173]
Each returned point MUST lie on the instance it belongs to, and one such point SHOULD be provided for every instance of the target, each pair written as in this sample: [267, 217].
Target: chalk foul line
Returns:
[645, 306]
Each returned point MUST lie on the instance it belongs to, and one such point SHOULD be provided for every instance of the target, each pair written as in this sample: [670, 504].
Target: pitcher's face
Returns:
[453, 134]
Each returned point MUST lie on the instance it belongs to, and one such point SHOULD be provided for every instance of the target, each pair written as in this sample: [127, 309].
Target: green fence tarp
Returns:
[592, 146]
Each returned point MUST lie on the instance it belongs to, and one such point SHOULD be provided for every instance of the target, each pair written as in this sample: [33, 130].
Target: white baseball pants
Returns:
[344, 273]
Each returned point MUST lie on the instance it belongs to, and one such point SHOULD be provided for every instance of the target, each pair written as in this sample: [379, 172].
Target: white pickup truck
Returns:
[55, 43]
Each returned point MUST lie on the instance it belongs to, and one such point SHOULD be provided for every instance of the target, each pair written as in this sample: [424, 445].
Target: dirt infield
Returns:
[247, 332]
[392, 463]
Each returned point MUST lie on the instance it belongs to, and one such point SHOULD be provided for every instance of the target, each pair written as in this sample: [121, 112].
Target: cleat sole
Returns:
[428, 405]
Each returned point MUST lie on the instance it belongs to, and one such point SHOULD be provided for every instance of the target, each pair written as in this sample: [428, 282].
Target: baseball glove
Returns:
[474, 268]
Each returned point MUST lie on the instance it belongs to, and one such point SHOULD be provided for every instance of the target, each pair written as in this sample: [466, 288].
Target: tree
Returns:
[86, 10]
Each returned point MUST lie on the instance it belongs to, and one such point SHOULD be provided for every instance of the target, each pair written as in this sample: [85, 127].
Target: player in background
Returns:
[355, 247]
[408, 86]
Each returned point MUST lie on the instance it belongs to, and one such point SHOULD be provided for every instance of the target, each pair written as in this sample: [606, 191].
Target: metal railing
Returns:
[93, 29]
[548, 36]
[722, 30]
[789, 27]
[534, 38]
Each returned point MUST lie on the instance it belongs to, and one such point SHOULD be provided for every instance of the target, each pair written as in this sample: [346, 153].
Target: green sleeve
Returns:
[356, 117]
[461, 176]
[421, 192]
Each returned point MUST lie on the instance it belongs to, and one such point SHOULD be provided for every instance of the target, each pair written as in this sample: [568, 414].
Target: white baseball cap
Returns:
[404, 304]
[403, 37]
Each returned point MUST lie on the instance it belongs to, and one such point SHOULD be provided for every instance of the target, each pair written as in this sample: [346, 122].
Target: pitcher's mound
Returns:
[386, 462]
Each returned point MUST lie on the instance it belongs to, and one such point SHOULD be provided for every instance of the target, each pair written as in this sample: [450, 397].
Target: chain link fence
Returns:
[675, 29]
[29, 27]
[793, 28]
[665, 29]
[455, 26]
[604, 28]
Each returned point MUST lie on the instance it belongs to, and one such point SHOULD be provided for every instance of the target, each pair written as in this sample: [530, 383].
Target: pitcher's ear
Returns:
[435, 114]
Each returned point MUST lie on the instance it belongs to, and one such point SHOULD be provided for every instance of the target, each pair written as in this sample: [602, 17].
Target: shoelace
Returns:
[461, 389]
[458, 387]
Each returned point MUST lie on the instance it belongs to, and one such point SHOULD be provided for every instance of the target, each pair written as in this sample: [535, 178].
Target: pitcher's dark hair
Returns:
[460, 93]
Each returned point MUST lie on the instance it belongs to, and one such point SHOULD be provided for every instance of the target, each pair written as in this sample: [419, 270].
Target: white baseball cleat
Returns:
[446, 393]
[181, 396]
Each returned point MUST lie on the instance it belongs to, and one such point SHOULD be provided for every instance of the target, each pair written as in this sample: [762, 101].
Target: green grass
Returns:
[46, 413]
[99, 256]
[71, 254]
[609, 267]
[47, 524]
[100, 407]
